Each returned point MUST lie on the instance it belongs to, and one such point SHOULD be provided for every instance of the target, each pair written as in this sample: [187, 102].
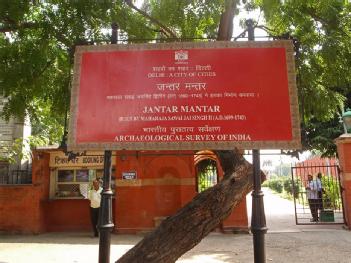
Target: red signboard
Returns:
[184, 96]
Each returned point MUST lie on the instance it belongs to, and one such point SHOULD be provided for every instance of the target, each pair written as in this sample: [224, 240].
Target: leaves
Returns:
[40, 37]
[322, 29]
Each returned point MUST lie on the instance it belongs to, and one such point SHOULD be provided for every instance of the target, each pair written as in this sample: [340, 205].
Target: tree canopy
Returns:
[38, 38]
[322, 30]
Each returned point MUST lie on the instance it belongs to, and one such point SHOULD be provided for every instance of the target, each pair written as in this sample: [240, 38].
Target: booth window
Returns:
[75, 183]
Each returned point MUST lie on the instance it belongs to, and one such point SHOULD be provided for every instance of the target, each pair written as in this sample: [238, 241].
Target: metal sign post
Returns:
[105, 217]
[105, 214]
[258, 218]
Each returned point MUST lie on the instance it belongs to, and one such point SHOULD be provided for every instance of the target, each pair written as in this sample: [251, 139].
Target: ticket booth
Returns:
[67, 208]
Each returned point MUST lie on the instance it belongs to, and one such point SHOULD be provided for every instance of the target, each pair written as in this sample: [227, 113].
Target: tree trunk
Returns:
[225, 29]
[179, 233]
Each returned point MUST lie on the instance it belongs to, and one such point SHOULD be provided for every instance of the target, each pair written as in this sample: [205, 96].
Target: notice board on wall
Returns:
[185, 96]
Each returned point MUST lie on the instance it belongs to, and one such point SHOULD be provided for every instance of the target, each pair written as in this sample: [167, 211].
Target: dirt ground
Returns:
[324, 245]
[285, 243]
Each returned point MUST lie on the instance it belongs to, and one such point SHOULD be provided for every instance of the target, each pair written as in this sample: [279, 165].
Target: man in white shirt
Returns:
[312, 196]
[94, 195]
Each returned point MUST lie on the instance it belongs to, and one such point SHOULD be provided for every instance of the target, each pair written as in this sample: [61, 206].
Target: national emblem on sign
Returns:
[181, 55]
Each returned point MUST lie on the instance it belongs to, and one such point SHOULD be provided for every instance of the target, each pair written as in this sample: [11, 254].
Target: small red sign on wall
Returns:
[217, 95]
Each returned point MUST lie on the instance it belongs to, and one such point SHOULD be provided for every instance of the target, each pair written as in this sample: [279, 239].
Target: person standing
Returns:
[94, 195]
[312, 196]
[320, 191]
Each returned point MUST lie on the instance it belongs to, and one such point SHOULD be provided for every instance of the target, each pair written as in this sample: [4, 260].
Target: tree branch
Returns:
[14, 27]
[164, 28]
[325, 22]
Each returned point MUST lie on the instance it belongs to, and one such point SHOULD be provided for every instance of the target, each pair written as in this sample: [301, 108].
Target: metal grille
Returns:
[323, 205]
[10, 174]
[206, 174]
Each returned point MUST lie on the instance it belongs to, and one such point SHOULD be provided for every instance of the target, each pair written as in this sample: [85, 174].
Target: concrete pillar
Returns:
[344, 151]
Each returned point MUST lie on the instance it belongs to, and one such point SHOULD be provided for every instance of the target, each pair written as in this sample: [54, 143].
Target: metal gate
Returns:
[317, 195]
[207, 175]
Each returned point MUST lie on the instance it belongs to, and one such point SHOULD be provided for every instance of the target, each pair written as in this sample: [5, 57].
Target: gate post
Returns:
[343, 144]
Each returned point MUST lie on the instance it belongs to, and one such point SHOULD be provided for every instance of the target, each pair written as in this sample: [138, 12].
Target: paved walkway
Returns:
[285, 243]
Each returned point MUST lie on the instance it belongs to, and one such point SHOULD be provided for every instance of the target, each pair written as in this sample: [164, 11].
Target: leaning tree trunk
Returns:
[179, 233]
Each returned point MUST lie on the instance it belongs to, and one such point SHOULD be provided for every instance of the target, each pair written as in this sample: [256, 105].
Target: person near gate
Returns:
[320, 191]
[312, 196]
[94, 195]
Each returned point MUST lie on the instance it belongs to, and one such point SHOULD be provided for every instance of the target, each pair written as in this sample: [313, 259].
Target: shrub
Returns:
[331, 193]
[289, 187]
[276, 185]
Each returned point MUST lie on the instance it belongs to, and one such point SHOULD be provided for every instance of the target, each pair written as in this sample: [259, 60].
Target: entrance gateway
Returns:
[329, 204]
[139, 91]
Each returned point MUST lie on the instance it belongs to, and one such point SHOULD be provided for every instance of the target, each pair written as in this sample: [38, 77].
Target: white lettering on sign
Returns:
[168, 86]
[129, 175]
[199, 67]
[183, 108]
[175, 130]
[59, 159]
[181, 137]
[203, 108]
[195, 86]
[160, 109]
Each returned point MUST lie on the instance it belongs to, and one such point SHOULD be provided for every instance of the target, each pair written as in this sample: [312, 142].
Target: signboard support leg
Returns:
[105, 218]
[258, 218]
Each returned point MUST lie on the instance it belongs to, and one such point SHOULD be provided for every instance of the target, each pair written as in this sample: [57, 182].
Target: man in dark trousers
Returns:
[94, 196]
[312, 196]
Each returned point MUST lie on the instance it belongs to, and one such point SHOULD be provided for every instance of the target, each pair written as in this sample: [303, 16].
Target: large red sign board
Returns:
[217, 95]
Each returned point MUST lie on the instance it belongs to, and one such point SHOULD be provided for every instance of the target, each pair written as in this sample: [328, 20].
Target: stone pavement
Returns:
[285, 243]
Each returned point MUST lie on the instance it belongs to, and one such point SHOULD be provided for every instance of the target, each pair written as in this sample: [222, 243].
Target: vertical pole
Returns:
[294, 190]
[258, 218]
[105, 217]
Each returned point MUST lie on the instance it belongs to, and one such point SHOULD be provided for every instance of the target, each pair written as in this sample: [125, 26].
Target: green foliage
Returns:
[21, 148]
[322, 29]
[282, 183]
[38, 39]
[291, 188]
[331, 193]
[320, 135]
[206, 174]
[276, 184]
[190, 19]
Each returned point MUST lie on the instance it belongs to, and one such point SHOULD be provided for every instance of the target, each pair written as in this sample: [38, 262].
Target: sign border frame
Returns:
[295, 143]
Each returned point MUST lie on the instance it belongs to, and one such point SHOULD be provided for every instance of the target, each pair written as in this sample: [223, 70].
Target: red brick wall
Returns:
[67, 215]
[19, 209]
[238, 220]
[21, 206]
[164, 184]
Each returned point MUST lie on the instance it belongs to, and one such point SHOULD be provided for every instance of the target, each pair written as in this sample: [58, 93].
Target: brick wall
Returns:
[21, 206]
